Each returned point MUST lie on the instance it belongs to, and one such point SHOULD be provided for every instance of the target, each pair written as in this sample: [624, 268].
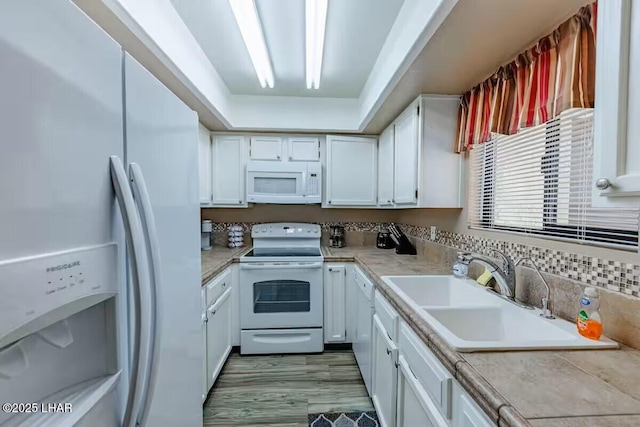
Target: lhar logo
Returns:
[63, 266]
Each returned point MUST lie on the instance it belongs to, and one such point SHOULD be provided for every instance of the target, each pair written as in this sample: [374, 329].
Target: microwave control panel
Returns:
[314, 179]
[314, 185]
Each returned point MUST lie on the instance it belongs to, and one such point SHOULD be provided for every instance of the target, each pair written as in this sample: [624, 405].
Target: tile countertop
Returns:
[521, 388]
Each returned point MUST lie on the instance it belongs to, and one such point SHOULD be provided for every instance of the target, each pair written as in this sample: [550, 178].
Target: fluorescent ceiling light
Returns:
[247, 17]
[316, 21]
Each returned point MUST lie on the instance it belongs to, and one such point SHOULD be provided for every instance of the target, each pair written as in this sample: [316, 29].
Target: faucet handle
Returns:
[507, 263]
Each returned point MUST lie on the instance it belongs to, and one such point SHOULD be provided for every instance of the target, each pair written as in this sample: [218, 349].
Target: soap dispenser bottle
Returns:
[589, 321]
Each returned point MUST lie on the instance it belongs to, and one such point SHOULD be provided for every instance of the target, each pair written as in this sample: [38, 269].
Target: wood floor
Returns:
[283, 390]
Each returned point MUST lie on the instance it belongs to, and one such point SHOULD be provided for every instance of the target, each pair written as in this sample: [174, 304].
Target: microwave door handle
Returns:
[139, 278]
[304, 183]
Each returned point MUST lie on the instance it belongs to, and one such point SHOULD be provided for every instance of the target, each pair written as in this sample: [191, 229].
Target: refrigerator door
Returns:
[162, 139]
[62, 118]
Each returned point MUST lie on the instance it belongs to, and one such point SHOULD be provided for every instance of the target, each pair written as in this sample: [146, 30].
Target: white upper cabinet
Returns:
[405, 185]
[385, 167]
[439, 171]
[303, 149]
[616, 156]
[204, 153]
[351, 171]
[228, 170]
[265, 148]
[416, 163]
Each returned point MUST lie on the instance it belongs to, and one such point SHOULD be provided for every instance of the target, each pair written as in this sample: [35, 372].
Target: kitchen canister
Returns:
[205, 235]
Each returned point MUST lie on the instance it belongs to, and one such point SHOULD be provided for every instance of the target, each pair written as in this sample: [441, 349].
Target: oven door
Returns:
[281, 295]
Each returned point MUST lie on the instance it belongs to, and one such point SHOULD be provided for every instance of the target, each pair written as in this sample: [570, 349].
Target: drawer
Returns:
[278, 341]
[387, 315]
[217, 286]
[429, 372]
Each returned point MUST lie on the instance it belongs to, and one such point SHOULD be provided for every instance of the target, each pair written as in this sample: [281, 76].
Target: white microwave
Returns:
[284, 182]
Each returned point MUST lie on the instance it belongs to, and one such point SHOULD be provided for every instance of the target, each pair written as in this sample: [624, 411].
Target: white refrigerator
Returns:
[99, 230]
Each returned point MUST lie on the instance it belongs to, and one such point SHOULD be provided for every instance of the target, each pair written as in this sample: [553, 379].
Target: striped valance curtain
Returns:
[556, 74]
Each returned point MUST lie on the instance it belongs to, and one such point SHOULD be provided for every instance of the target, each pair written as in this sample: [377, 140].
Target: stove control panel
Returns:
[285, 230]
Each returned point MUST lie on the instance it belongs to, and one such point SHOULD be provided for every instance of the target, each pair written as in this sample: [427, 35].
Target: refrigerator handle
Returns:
[142, 199]
[138, 266]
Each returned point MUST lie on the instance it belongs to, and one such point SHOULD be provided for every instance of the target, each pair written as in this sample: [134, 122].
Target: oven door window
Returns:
[281, 296]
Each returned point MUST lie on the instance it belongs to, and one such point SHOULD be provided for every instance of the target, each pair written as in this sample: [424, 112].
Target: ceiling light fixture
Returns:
[248, 21]
[316, 21]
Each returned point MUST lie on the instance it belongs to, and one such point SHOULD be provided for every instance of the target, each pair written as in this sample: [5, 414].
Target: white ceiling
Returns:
[380, 54]
[356, 31]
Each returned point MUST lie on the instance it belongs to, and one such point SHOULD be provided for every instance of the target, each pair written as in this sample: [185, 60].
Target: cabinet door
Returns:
[335, 325]
[204, 154]
[304, 149]
[414, 408]
[265, 148]
[218, 336]
[385, 167]
[351, 171]
[384, 375]
[469, 414]
[616, 154]
[228, 186]
[205, 319]
[405, 183]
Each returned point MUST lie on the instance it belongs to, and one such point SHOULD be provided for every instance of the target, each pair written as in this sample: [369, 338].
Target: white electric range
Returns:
[281, 290]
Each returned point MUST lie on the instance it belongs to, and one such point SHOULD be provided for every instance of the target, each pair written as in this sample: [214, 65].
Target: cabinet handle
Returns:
[239, 202]
[224, 284]
[329, 201]
[388, 351]
[278, 157]
[290, 158]
[331, 269]
[603, 184]
[393, 201]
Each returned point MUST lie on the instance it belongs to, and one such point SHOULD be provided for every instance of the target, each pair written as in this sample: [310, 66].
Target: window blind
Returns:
[539, 182]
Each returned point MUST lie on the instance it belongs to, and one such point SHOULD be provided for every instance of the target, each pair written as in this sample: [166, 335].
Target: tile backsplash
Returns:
[612, 275]
[604, 273]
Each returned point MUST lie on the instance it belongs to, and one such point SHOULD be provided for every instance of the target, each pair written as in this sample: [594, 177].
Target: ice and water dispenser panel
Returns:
[58, 332]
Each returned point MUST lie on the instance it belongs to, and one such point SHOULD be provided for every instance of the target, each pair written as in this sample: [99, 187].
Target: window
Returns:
[539, 182]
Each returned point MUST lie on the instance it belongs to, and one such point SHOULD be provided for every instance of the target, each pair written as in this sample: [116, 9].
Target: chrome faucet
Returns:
[505, 276]
[546, 300]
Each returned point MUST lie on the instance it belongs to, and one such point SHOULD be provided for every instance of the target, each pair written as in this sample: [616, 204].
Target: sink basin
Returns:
[439, 291]
[469, 318]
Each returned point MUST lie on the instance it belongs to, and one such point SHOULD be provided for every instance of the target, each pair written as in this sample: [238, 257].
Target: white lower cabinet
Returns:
[466, 411]
[415, 407]
[409, 385]
[221, 309]
[335, 311]
[205, 377]
[385, 374]
[218, 335]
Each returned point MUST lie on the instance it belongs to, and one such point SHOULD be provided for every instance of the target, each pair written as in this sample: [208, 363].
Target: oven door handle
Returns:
[312, 266]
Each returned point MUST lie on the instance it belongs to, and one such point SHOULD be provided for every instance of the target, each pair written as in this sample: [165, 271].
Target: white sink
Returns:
[469, 318]
[440, 291]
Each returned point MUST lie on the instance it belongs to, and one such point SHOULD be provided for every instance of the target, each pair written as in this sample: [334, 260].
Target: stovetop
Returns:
[285, 242]
[283, 252]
